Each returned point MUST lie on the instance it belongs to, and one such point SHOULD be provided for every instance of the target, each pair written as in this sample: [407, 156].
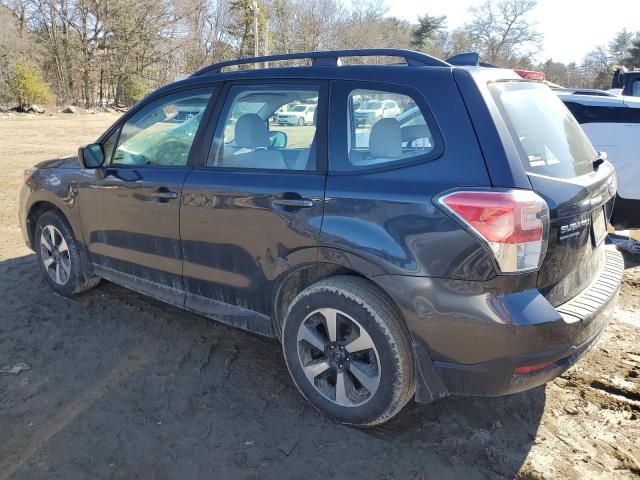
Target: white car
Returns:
[297, 115]
[371, 111]
[612, 123]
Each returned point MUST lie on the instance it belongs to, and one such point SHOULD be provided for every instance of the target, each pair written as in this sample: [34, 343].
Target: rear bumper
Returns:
[470, 340]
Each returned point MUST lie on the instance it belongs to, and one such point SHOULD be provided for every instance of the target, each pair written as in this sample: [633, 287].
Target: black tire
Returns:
[361, 300]
[77, 281]
[301, 121]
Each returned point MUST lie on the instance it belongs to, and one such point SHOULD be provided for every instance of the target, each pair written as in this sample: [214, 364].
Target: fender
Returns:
[58, 190]
[46, 186]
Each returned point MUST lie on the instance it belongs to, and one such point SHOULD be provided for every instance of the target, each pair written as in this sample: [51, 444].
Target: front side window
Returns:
[384, 127]
[269, 127]
[547, 135]
[161, 133]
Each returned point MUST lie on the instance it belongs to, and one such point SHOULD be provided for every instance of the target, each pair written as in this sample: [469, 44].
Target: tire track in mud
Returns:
[130, 363]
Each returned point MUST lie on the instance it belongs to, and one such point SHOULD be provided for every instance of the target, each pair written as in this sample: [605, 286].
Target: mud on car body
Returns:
[458, 247]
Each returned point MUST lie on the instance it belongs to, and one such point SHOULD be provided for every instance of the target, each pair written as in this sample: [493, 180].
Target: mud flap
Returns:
[429, 387]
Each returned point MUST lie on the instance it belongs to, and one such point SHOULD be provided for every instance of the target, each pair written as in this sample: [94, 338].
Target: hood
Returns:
[368, 110]
[64, 162]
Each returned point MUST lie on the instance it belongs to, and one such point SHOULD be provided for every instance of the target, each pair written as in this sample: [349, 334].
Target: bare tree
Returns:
[596, 69]
[501, 32]
[205, 37]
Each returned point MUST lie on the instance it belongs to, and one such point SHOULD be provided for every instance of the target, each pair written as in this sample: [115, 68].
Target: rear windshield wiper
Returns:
[600, 159]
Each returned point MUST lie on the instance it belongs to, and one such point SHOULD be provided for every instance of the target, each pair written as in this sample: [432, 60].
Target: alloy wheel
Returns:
[338, 357]
[55, 255]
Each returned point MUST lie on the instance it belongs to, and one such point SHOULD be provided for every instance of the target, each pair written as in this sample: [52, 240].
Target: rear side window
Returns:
[384, 128]
[550, 140]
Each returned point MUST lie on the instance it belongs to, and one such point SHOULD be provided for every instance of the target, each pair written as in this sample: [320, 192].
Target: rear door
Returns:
[130, 208]
[252, 208]
[563, 168]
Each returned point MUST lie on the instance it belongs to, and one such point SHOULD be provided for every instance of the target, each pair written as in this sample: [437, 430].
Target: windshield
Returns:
[550, 140]
[371, 105]
[299, 108]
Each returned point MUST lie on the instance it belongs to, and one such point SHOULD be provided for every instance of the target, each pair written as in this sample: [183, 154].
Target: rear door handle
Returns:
[293, 202]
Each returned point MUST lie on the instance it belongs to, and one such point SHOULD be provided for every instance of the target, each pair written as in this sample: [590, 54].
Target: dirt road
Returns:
[124, 387]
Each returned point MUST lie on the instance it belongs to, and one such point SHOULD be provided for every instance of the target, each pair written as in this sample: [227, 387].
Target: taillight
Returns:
[513, 223]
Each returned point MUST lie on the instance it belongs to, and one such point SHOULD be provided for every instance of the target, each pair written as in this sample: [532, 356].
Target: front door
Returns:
[130, 208]
[252, 209]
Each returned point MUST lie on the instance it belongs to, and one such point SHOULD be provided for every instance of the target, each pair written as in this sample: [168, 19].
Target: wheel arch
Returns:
[35, 212]
[296, 280]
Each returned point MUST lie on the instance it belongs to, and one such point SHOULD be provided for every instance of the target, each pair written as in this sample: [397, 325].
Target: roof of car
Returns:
[327, 65]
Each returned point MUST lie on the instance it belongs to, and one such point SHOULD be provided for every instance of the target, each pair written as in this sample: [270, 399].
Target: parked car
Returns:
[459, 251]
[297, 115]
[626, 83]
[371, 111]
[612, 124]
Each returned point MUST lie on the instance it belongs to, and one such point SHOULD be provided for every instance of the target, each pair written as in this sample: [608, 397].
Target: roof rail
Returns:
[331, 58]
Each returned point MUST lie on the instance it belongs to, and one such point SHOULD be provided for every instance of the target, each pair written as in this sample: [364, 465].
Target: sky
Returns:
[571, 28]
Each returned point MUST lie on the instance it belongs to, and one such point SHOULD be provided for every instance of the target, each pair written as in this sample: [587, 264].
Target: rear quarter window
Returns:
[384, 128]
[549, 139]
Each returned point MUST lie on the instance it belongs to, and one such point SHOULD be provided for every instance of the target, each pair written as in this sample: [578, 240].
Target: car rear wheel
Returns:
[348, 351]
[59, 256]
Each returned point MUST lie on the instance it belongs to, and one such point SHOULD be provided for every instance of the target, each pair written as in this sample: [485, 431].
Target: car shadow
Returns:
[123, 386]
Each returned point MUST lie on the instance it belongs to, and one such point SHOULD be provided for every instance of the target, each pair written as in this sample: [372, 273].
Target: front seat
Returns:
[252, 140]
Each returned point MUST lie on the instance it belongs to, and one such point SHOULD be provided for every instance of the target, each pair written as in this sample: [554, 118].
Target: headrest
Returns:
[251, 132]
[385, 139]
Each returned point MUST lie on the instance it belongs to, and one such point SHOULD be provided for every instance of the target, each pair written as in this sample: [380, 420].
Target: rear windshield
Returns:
[550, 140]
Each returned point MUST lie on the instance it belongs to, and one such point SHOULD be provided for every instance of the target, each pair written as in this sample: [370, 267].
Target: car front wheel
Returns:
[59, 255]
[348, 351]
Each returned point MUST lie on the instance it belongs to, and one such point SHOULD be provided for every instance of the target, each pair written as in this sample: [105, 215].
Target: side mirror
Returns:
[91, 156]
[278, 139]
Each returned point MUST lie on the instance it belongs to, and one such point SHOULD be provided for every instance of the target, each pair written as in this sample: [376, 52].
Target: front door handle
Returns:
[293, 202]
[165, 195]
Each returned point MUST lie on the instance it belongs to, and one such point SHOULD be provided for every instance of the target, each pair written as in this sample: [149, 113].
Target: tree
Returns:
[133, 90]
[206, 24]
[501, 32]
[15, 45]
[633, 57]
[427, 30]
[619, 46]
[28, 85]
[596, 69]
[240, 26]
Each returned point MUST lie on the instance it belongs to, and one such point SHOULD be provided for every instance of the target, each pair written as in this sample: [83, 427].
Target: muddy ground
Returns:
[124, 387]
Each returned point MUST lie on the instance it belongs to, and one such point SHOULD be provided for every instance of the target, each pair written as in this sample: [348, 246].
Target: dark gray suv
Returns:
[455, 244]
